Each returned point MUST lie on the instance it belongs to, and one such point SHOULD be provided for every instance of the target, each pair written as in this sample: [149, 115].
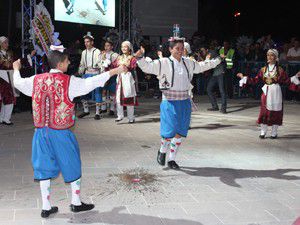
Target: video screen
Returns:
[95, 12]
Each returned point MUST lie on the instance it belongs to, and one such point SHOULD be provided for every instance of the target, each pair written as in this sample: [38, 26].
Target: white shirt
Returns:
[181, 81]
[107, 54]
[293, 52]
[77, 87]
[89, 59]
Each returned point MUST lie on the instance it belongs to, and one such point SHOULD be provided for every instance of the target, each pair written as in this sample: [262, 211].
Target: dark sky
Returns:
[215, 19]
[257, 18]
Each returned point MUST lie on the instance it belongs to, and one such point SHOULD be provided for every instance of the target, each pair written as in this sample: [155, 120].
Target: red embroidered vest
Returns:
[50, 101]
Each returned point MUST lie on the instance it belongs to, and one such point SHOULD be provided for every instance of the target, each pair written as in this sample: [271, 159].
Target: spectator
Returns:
[283, 54]
[293, 54]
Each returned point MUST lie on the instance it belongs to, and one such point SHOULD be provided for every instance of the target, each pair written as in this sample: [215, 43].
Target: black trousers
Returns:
[213, 81]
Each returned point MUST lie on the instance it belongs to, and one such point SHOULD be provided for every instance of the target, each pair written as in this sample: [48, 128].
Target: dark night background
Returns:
[216, 20]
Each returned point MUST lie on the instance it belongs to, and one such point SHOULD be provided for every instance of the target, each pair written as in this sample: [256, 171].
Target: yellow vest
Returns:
[229, 57]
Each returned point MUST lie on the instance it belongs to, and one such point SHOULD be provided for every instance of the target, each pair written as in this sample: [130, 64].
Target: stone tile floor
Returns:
[228, 175]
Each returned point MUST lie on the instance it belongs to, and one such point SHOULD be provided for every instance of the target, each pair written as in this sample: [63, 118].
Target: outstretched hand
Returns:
[240, 75]
[17, 64]
[208, 56]
[120, 69]
[223, 56]
[140, 52]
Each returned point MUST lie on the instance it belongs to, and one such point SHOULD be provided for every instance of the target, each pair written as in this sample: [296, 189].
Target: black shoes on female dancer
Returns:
[264, 136]
[47, 213]
[161, 159]
[73, 208]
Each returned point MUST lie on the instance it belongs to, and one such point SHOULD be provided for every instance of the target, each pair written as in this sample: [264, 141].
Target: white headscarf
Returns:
[127, 43]
[274, 52]
[187, 47]
[3, 39]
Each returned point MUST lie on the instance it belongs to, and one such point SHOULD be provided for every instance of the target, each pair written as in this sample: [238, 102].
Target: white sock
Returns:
[263, 129]
[98, 109]
[85, 106]
[165, 144]
[274, 130]
[7, 112]
[103, 106]
[175, 143]
[130, 113]
[75, 186]
[2, 112]
[120, 111]
[112, 104]
[45, 191]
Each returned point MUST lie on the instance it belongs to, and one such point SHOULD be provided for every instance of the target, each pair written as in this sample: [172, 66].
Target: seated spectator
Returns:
[283, 54]
[293, 54]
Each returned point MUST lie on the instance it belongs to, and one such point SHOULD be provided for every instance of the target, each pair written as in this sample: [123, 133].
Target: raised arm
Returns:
[245, 80]
[79, 86]
[25, 85]
[150, 67]
[200, 67]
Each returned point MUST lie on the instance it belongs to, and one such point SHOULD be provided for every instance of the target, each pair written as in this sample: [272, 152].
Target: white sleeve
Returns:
[295, 80]
[243, 81]
[25, 85]
[289, 53]
[82, 64]
[200, 67]
[79, 86]
[152, 67]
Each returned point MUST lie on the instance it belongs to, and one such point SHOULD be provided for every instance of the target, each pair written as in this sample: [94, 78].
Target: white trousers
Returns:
[130, 112]
[6, 111]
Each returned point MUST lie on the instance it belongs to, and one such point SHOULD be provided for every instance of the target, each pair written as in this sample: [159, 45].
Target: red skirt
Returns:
[132, 101]
[6, 93]
[268, 117]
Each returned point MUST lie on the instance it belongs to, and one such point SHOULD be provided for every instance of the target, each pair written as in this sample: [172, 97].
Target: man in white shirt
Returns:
[175, 75]
[54, 147]
[293, 54]
[89, 67]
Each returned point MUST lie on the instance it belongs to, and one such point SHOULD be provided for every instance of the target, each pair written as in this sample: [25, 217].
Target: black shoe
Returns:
[111, 113]
[83, 114]
[173, 165]
[262, 136]
[8, 124]
[223, 111]
[82, 207]
[103, 111]
[97, 117]
[161, 158]
[47, 213]
[118, 120]
[131, 121]
[274, 137]
[213, 109]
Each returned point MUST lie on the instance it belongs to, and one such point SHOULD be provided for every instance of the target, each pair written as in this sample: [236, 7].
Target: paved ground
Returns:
[228, 175]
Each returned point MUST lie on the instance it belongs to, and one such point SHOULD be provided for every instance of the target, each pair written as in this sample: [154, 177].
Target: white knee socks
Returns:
[175, 143]
[45, 191]
[75, 186]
